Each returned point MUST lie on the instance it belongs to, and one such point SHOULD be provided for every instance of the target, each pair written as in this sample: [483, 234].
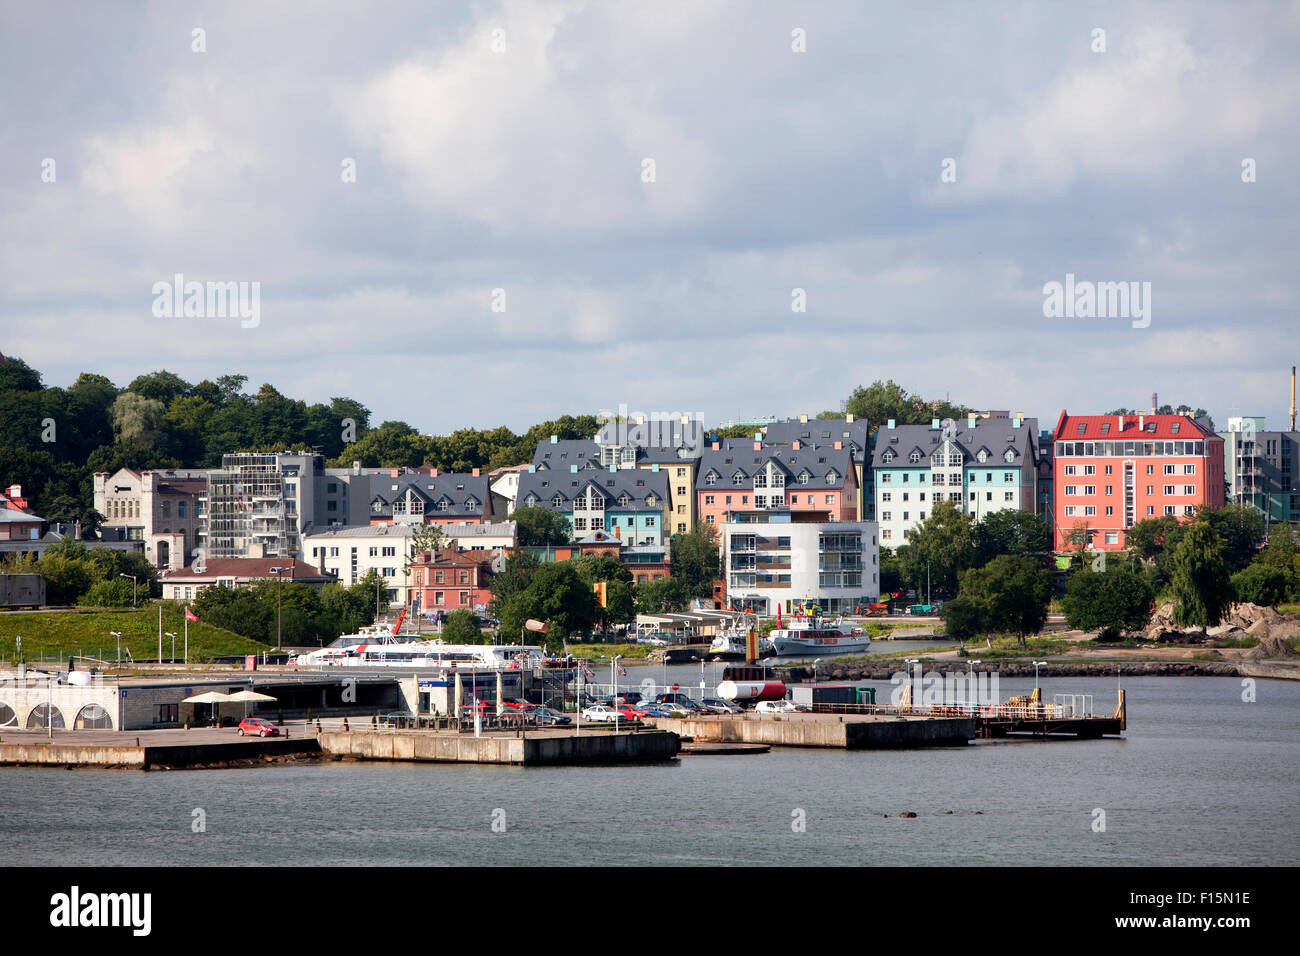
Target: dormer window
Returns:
[531, 501]
[556, 501]
[1010, 456]
[887, 457]
[738, 478]
[832, 476]
[711, 478]
[650, 499]
[983, 455]
[914, 457]
[623, 499]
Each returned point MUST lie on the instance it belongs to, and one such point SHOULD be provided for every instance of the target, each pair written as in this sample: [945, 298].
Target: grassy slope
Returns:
[86, 632]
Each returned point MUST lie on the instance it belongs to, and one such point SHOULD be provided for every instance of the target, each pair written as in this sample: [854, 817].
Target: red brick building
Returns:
[1112, 471]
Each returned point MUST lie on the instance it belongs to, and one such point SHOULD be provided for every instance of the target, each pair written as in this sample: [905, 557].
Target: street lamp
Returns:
[816, 661]
[118, 635]
[134, 582]
[913, 703]
[278, 580]
[172, 635]
[970, 684]
[613, 679]
[1038, 664]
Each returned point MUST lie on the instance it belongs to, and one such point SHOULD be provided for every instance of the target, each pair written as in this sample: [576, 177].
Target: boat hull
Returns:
[806, 646]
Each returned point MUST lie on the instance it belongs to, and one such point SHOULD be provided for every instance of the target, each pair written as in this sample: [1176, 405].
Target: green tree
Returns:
[881, 401]
[1241, 528]
[662, 596]
[1010, 594]
[461, 627]
[1010, 531]
[965, 618]
[1115, 602]
[138, 421]
[555, 594]
[538, 527]
[941, 547]
[1201, 584]
[1264, 584]
[1282, 549]
[694, 559]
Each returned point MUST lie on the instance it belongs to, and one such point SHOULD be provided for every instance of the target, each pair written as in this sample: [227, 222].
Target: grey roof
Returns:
[742, 459]
[662, 441]
[636, 483]
[854, 434]
[14, 515]
[452, 495]
[559, 455]
[994, 435]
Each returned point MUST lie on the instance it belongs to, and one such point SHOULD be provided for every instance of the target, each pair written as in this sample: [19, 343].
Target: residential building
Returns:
[449, 580]
[353, 552]
[980, 465]
[186, 583]
[740, 480]
[429, 497]
[1112, 471]
[504, 483]
[784, 563]
[631, 504]
[1262, 468]
[19, 526]
[159, 508]
[645, 562]
[852, 432]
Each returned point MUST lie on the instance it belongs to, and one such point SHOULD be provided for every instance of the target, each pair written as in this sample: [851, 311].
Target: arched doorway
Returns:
[39, 718]
[92, 717]
[7, 716]
[164, 554]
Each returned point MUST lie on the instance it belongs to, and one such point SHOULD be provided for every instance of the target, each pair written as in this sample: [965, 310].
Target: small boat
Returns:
[816, 635]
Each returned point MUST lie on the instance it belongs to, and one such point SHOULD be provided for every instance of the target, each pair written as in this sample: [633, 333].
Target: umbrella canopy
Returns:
[209, 697]
[249, 695]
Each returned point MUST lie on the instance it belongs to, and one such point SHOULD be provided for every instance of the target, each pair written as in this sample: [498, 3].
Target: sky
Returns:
[469, 215]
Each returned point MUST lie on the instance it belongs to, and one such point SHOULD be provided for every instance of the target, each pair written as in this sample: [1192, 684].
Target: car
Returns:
[681, 700]
[483, 707]
[393, 719]
[717, 705]
[257, 727]
[654, 710]
[545, 715]
[522, 705]
[631, 713]
[672, 709]
[775, 707]
[600, 713]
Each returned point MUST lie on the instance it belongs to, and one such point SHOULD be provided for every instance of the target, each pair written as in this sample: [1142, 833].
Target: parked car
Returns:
[546, 715]
[775, 707]
[631, 713]
[717, 705]
[655, 710]
[681, 700]
[652, 641]
[601, 713]
[518, 705]
[483, 707]
[672, 709]
[393, 719]
[257, 727]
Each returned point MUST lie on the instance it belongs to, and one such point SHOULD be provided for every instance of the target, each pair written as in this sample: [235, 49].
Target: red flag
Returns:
[190, 615]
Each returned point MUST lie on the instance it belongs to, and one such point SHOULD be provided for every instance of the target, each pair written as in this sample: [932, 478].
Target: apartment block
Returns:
[980, 465]
[742, 481]
[631, 504]
[852, 432]
[784, 563]
[1112, 471]
[1262, 468]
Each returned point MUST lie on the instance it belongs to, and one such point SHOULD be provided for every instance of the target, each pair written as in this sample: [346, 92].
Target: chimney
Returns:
[758, 446]
[394, 472]
[803, 419]
[970, 421]
[934, 424]
[1142, 422]
[795, 444]
[1119, 423]
[555, 439]
[715, 446]
[839, 446]
[891, 425]
[474, 472]
[433, 472]
[356, 467]
[849, 418]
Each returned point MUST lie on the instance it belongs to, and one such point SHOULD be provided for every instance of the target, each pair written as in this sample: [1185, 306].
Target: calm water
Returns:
[1201, 778]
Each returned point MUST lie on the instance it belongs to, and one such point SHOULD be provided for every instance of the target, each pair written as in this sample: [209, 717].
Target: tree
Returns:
[1010, 531]
[1117, 601]
[138, 421]
[461, 627]
[1241, 528]
[115, 593]
[941, 547]
[964, 618]
[1283, 548]
[881, 401]
[695, 559]
[1201, 585]
[538, 527]
[1010, 594]
[1264, 584]
[556, 595]
[662, 596]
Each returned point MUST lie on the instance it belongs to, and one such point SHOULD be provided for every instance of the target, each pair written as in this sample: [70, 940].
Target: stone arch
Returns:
[92, 717]
[7, 716]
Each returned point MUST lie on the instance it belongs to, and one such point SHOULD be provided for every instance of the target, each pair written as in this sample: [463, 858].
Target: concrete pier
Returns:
[846, 732]
[156, 749]
[533, 749]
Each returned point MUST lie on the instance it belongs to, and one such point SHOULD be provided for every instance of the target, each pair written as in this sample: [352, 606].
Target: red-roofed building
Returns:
[1112, 471]
[450, 580]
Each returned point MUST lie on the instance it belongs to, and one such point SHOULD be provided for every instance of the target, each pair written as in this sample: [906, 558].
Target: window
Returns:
[886, 496]
[390, 551]
[1151, 509]
[1151, 469]
[1171, 509]
[1189, 509]
[1109, 470]
[579, 524]
[1069, 469]
[1008, 477]
[1109, 510]
[711, 479]
[1008, 496]
[914, 457]
[886, 477]
[1151, 489]
[988, 496]
[1089, 469]
[1171, 469]
[887, 515]
[649, 522]
[1071, 489]
[1089, 490]
[1112, 537]
[988, 477]
[708, 499]
[830, 499]
[1110, 489]
[1169, 489]
[905, 496]
[1187, 470]
[1069, 511]
[1089, 510]
[1189, 489]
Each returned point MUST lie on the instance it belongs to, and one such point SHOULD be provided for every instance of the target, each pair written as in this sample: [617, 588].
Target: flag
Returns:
[190, 615]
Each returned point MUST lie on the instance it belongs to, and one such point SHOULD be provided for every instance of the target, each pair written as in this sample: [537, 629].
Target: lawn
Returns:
[85, 633]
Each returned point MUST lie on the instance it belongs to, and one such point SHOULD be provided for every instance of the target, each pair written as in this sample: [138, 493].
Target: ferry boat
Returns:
[382, 645]
[816, 635]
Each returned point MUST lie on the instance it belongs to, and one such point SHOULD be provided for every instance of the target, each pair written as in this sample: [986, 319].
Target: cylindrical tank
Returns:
[752, 690]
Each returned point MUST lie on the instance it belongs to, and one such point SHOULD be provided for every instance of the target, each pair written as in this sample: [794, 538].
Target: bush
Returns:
[113, 593]
[1115, 602]
[1264, 584]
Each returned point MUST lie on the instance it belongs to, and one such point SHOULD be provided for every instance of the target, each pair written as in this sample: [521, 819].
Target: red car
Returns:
[631, 713]
[257, 727]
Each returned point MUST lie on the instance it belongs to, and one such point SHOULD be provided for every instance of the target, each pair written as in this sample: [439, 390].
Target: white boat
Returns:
[353, 650]
[816, 635]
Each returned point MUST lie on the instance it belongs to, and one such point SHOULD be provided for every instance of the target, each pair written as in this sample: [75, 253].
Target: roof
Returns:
[1130, 427]
[13, 515]
[733, 465]
[249, 568]
[559, 455]
[449, 557]
[659, 441]
[855, 434]
[993, 436]
[446, 495]
[638, 484]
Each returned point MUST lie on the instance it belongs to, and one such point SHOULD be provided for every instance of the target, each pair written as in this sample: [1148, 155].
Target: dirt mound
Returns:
[1271, 647]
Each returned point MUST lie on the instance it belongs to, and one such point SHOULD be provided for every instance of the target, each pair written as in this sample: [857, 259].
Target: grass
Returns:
[85, 632]
[606, 652]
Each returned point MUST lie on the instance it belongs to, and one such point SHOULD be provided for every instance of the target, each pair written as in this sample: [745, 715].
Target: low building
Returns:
[187, 583]
[786, 564]
[450, 580]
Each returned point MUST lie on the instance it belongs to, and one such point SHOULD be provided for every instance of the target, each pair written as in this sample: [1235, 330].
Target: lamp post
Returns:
[118, 635]
[134, 582]
[278, 580]
[1037, 664]
[172, 635]
[912, 704]
[613, 697]
[970, 683]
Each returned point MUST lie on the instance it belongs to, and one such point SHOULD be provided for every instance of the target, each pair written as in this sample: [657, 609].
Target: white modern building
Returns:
[832, 565]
